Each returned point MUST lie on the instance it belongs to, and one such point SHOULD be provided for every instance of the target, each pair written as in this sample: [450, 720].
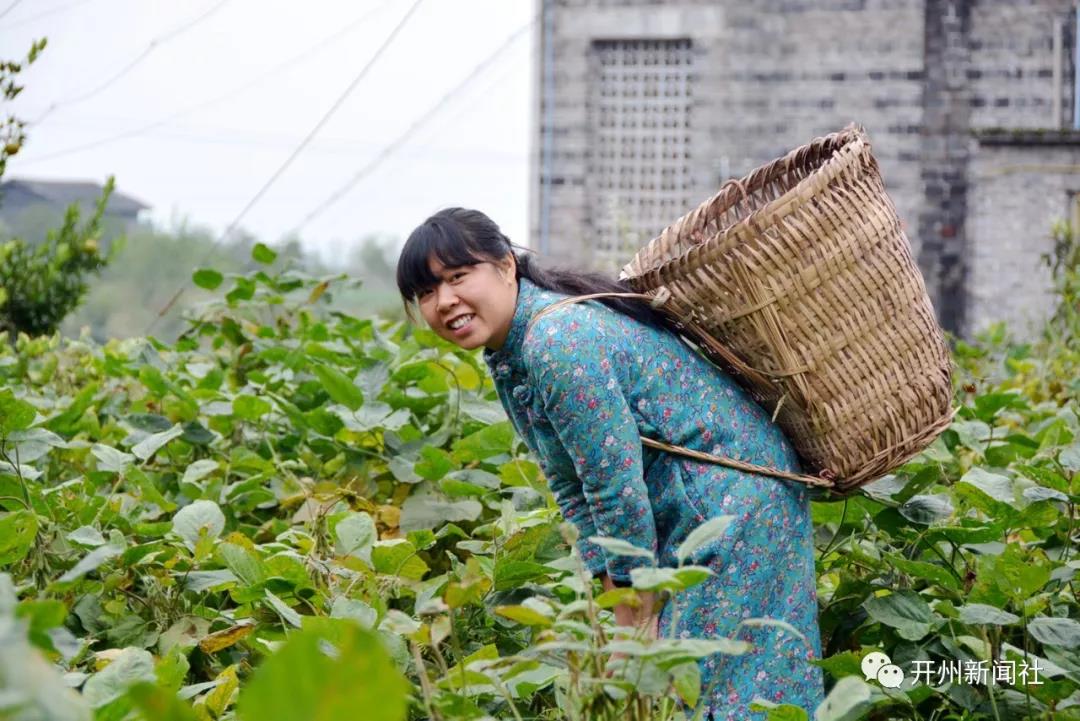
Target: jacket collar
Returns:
[531, 300]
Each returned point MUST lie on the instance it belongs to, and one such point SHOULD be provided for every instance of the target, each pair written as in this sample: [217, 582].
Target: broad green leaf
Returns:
[110, 459]
[431, 510]
[655, 579]
[906, 611]
[283, 609]
[933, 572]
[355, 535]
[198, 519]
[703, 535]
[690, 576]
[304, 680]
[245, 565]
[514, 574]
[848, 700]
[339, 387]
[617, 596]
[926, 509]
[397, 557]
[493, 440]
[686, 677]
[1040, 493]
[523, 615]
[200, 581]
[159, 704]
[981, 614]
[1069, 458]
[199, 470]
[109, 684]
[619, 547]
[15, 413]
[434, 463]
[261, 253]
[17, 533]
[1016, 575]
[356, 610]
[207, 278]
[1060, 632]
[778, 711]
[152, 444]
[994, 485]
[91, 562]
[85, 536]
[250, 408]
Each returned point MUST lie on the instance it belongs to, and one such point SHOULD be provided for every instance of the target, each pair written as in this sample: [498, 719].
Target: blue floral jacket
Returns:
[581, 388]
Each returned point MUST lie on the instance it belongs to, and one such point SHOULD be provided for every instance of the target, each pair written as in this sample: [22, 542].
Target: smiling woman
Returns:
[582, 385]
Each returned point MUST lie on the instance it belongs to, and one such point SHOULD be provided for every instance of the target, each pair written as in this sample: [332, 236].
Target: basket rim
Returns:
[852, 135]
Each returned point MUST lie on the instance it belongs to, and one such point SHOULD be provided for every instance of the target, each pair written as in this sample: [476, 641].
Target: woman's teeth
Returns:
[455, 324]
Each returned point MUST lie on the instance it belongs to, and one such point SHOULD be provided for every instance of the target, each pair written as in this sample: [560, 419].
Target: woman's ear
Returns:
[508, 267]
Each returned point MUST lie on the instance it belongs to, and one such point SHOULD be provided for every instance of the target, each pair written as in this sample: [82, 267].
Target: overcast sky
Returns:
[207, 164]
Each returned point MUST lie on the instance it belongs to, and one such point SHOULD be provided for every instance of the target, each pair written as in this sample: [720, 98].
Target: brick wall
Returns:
[772, 74]
[1019, 183]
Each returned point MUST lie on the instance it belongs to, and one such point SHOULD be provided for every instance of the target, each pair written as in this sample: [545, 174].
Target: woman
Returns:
[581, 386]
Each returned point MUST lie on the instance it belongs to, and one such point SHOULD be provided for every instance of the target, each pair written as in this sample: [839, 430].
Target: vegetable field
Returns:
[294, 513]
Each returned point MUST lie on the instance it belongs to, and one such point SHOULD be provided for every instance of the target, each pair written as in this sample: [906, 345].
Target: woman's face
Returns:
[486, 291]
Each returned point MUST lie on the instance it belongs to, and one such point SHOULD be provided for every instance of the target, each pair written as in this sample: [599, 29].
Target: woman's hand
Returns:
[645, 616]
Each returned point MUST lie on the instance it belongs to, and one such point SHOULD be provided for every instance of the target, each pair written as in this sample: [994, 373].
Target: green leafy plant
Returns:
[40, 285]
[292, 493]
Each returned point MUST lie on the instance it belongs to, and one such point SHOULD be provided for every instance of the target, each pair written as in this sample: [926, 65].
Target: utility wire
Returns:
[154, 45]
[10, 7]
[288, 161]
[404, 137]
[230, 95]
[50, 11]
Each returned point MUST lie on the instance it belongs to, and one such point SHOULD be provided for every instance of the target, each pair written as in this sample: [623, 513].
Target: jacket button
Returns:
[522, 393]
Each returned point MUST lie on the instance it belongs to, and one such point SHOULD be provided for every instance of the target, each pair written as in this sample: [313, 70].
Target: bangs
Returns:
[440, 238]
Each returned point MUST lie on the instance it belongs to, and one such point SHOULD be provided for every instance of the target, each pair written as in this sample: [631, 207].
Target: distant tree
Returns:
[40, 283]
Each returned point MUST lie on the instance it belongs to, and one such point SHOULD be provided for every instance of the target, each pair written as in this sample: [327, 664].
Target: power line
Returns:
[230, 95]
[10, 7]
[154, 45]
[288, 161]
[404, 137]
[50, 11]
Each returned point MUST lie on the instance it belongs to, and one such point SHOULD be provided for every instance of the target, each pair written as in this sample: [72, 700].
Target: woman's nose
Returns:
[445, 299]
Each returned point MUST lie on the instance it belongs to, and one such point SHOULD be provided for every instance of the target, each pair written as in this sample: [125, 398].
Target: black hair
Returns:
[460, 236]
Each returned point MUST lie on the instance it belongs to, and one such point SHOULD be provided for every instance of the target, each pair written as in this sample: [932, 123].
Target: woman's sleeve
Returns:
[567, 491]
[574, 366]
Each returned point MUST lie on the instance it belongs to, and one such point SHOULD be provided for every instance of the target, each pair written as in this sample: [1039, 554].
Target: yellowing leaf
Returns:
[523, 615]
[225, 638]
[222, 696]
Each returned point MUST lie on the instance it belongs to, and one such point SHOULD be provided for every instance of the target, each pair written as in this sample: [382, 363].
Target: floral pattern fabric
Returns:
[581, 388]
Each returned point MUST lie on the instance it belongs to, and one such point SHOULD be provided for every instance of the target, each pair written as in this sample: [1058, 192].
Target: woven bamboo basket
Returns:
[798, 279]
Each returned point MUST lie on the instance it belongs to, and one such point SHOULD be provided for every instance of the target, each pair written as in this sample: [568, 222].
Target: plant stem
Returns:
[990, 686]
[425, 682]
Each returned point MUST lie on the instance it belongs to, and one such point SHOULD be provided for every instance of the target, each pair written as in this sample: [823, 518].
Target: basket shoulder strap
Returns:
[739, 465]
[579, 298]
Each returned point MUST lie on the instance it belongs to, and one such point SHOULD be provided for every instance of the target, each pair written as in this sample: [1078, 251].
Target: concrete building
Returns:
[644, 108]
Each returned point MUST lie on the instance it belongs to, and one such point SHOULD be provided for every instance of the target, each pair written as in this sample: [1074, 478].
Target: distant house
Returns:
[21, 198]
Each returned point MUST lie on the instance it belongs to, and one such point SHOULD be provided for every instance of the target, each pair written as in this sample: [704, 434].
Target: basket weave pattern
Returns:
[799, 280]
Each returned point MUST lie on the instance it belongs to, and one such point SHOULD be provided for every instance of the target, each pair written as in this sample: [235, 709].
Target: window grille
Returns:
[639, 133]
